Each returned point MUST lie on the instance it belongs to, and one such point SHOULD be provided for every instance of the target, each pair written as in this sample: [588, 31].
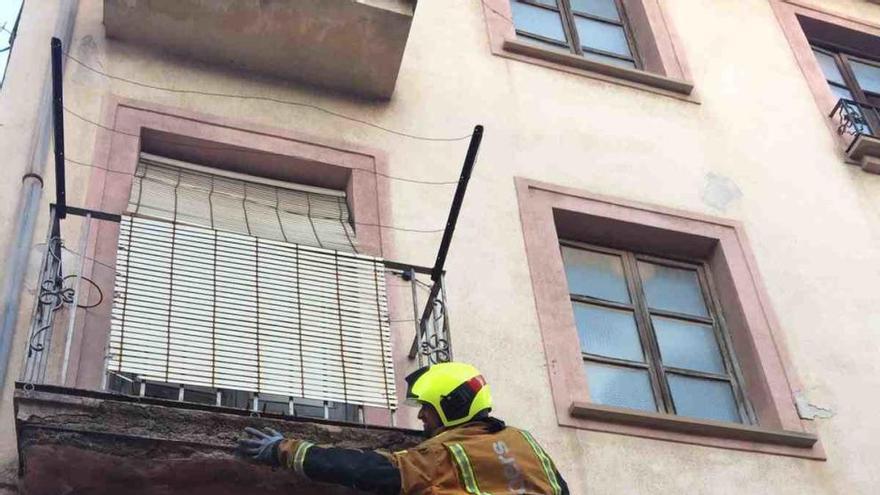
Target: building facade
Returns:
[663, 264]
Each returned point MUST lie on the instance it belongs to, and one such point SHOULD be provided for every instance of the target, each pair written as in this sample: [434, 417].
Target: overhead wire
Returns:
[269, 99]
[248, 151]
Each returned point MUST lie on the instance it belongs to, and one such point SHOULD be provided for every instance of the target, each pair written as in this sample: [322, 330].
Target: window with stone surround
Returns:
[655, 324]
[629, 42]
[594, 29]
[651, 335]
[840, 59]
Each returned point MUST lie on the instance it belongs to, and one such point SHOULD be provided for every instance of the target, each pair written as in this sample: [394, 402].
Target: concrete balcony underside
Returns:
[72, 441]
[865, 150]
[353, 46]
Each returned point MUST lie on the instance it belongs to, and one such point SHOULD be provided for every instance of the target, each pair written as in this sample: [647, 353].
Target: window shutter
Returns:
[187, 193]
[233, 293]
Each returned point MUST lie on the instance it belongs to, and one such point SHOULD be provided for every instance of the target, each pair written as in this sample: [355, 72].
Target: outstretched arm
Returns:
[365, 470]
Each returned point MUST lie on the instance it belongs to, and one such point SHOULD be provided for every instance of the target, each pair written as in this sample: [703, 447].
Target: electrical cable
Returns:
[266, 99]
[241, 150]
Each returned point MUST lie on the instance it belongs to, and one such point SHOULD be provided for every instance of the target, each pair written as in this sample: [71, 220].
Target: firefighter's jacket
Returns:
[482, 457]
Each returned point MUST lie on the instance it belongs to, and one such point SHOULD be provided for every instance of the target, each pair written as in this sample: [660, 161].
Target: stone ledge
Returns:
[865, 150]
[353, 46]
[72, 441]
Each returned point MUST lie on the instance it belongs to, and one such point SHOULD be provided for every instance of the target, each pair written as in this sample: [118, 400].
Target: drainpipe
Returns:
[30, 194]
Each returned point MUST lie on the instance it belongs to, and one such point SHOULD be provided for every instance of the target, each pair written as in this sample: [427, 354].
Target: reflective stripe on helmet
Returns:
[546, 463]
[465, 469]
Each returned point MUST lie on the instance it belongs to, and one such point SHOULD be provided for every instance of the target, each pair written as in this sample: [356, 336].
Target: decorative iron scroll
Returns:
[851, 117]
[435, 344]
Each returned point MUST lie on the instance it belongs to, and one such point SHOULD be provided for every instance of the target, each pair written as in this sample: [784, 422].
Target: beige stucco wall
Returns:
[19, 100]
[755, 148]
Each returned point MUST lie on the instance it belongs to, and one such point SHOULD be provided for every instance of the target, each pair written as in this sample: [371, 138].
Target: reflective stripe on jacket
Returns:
[479, 458]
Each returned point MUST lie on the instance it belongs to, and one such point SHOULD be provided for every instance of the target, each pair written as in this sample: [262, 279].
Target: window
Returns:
[840, 59]
[246, 284]
[654, 324]
[594, 29]
[627, 42]
[856, 79]
[650, 335]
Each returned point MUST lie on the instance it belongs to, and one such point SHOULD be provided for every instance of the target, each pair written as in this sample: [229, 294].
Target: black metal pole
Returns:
[58, 125]
[457, 200]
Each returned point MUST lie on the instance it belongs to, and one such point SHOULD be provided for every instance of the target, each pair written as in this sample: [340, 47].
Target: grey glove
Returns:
[261, 446]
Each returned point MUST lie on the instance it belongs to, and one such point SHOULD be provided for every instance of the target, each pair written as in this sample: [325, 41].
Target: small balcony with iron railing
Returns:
[212, 300]
[192, 333]
[859, 124]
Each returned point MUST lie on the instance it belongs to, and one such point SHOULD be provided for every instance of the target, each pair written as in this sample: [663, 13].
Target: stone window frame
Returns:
[787, 13]
[550, 212]
[130, 126]
[664, 67]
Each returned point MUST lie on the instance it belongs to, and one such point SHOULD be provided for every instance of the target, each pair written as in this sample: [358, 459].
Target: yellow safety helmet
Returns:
[457, 391]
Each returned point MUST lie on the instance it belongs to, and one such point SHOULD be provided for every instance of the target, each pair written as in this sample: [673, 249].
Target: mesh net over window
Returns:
[233, 284]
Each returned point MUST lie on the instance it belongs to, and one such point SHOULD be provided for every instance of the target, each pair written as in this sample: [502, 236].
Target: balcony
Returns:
[860, 124]
[137, 375]
[352, 46]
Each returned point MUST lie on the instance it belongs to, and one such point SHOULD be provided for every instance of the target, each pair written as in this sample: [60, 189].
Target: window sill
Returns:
[691, 426]
[865, 150]
[639, 77]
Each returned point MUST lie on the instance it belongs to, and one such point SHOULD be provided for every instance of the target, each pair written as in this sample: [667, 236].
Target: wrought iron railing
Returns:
[854, 118]
[70, 283]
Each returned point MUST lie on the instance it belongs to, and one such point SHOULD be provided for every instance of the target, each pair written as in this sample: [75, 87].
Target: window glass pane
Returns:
[841, 93]
[610, 60]
[829, 67]
[700, 398]
[608, 332]
[620, 386]
[868, 76]
[595, 274]
[601, 8]
[551, 3]
[602, 36]
[536, 20]
[672, 289]
[688, 345]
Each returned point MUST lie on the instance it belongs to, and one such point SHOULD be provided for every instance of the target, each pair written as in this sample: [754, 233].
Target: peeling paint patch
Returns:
[719, 191]
[807, 410]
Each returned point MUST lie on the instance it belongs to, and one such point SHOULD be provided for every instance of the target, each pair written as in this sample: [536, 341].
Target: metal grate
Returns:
[205, 307]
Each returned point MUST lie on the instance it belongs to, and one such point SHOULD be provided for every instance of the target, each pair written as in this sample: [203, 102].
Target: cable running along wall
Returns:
[224, 283]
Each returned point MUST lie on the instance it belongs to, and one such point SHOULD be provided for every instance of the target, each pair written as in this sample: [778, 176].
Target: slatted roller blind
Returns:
[202, 305]
[187, 193]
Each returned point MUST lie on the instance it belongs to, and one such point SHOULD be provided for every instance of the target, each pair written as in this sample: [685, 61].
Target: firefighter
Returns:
[467, 452]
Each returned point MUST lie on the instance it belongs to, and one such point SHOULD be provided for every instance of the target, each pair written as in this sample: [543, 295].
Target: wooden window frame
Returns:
[805, 25]
[842, 58]
[658, 51]
[567, 15]
[551, 212]
[647, 334]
